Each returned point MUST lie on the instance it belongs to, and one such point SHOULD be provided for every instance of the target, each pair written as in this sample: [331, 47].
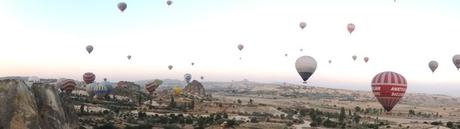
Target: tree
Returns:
[82, 108]
[356, 118]
[239, 101]
[172, 104]
[342, 115]
[450, 124]
[357, 109]
[192, 105]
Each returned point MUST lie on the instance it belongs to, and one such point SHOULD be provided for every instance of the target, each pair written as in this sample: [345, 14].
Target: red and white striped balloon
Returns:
[89, 77]
[389, 87]
[68, 85]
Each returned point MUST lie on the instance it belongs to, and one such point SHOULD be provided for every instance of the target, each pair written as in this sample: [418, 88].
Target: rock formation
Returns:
[195, 88]
[38, 107]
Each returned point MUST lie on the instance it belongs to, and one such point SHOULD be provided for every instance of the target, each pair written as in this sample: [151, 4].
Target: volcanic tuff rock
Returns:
[38, 107]
[195, 88]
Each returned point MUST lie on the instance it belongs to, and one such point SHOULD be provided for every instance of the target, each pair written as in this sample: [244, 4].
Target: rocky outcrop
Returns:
[38, 107]
[195, 88]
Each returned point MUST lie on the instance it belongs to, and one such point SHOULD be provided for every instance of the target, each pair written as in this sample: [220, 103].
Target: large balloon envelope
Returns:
[305, 66]
[302, 25]
[170, 67]
[122, 6]
[89, 49]
[89, 77]
[351, 27]
[67, 85]
[101, 90]
[456, 60]
[193, 63]
[240, 47]
[389, 87]
[433, 65]
[108, 85]
[153, 85]
[129, 57]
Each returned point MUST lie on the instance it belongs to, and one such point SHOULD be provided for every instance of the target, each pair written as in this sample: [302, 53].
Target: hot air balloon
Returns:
[129, 57]
[187, 77]
[122, 6]
[354, 57]
[433, 65]
[89, 49]
[366, 59]
[193, 63]
[177, 91]
[350, 27]
[122, 84]
[306, 66]
[153, 85]
[169, 2]
[302, 25]
[89, 77]
[240, 47]
[90, 89]
[67, 85]
[456, 60]
[301, 50]
[101, 90]
[389, 87]
[201, 77]
[330, 61]
[286, 54]
[108, 85]
[170, 67]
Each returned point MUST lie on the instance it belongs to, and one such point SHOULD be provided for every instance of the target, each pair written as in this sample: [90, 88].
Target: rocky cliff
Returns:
[38, 107]
[195, 88]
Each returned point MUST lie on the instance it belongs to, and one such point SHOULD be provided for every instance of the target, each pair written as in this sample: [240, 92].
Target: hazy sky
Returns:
[47, 38]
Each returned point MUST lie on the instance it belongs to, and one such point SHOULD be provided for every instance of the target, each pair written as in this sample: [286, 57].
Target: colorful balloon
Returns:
[433, 65]
[188, 77]
[67, 85]
[89, 77]
[108, 85]
[153, 85]
[89, 49]
[101, 90]
[366, 59]
[389, 87]
[122, 6]
[302, 25]
[456, 60]
[305, 66]
[351, 27]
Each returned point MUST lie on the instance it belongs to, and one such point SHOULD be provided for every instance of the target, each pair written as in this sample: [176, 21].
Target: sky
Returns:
[47, 38]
